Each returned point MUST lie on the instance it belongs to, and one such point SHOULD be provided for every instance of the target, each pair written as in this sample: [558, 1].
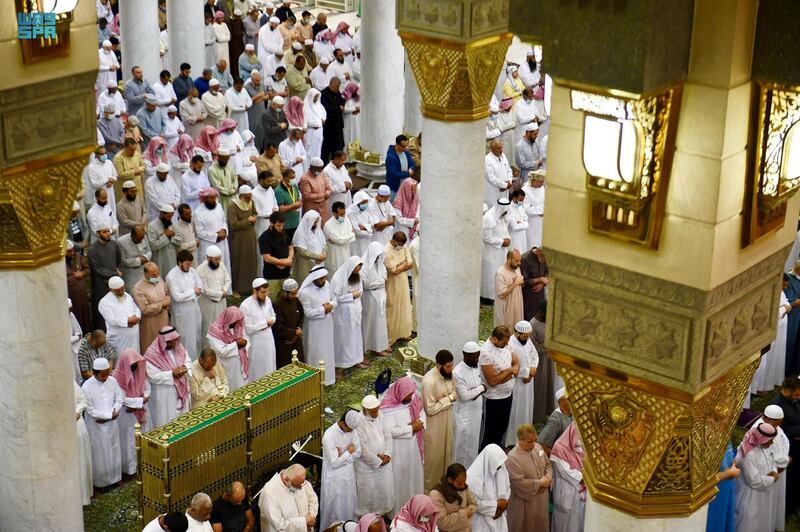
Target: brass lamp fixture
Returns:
[55, 16]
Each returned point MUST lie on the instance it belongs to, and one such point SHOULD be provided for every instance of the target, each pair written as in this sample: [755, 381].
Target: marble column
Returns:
[185, 27]
[382, 83]
[140, 34]
[450, 233]
[39, 480]
[602, 518]
[413, 102]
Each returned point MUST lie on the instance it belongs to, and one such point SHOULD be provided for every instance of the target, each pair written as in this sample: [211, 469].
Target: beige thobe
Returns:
[187, 237]
[399, 320]
[216, 284]
[527, 509]
[151, 299]
[453, 516]
[128, 169]
[507, 310]
[130, 214]
[438, 436]
[203, 388]
[193, 116]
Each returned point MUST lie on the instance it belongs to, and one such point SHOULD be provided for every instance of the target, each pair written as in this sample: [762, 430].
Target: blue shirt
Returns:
[394, 171]
[135, 91]
[151, 124]
[201, 85]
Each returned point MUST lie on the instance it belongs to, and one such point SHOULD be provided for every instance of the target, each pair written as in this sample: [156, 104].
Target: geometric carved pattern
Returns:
[454, 20]
[673, 474]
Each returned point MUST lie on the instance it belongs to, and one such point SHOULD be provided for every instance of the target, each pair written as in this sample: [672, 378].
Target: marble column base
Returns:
[373, 172]
[602, 518]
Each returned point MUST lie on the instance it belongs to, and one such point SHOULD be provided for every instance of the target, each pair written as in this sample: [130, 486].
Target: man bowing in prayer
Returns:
[259, 317]
[438, 396]
[318, 303]
[207, 379]
[522, 397]
[341, 448]
[103, 403]
[531, 474]
[152, 297]
[288, 502]
[508, 291]
[226, 336]
[121, 315]
[348, 342]
[167, 365]
[468, 410]
[374, 478]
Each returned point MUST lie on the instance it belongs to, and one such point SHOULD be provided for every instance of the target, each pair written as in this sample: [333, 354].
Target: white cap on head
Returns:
[297, 46]
[533, 126]
[562, 393]
[278, 100]
[111, 85]
[213, 82]
[128, 184]
[773, 412]
[162, 167]
[258, 282]
[529, 51]
[250, 47]
[324, 61]
[269, 5]
[70, 244]
[316, 161]
[106, 43]
[308, 42]
[384, 190]
[369, 402]
[116, 282]
[503, 201]
[523, 327]
[151, 99]
[539, 174]
[100, 364]
[101, 225]
[109, 108]
[76, 206]
[166, 207]
[172, 109]
[213, 251]
[237, 12]
[471, 347]
[223, 151]
[245, 189]
[494, 108]
[353, 419]
[289, 285]
[274, 20]
[133, 120]
[493, 134]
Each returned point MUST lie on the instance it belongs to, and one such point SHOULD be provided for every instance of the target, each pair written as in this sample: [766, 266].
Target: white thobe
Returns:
[348, 343]
[84, 446]
[186, 317]
[102, 398]
[290, 150]
[283, 510]
[339, 237]
[483, 519]
[222, 36]
[265, 204]
[352, 122]
[568, 508]
[494, 254]
[173, 128]
[518, 229]
[104, 73]
[165, 95]
[339, 177]
[115, 312]
[206, 224]
[191, 183]
[755, 491]
[338, 487]
[75, 337]
[269, 42]
[375, 481]
[163, 403]
[258, 320]
[339, 70]
[409, 479]
[216, 284]
[524, 114]
[318, 328]
[97, 214]
[216, 106]
[529, 77]
[197, 526]
[780, 455]
[776, 357]
[158, 193]
[98, 174]
[192, 111]
[497, 174]
[534, 208]
[209, 39]
[247, 169]
[238, 104]
[319, 78]
[127, 430]
[363, 236]
[522, 399]
[324, 49]
[271, 66]
[228, 354]
[467, 412]
[373, 316]
[382, 212]
[116, 99]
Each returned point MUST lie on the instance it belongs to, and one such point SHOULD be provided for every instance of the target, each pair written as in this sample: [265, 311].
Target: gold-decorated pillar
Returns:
[456, 50]
[47, 130]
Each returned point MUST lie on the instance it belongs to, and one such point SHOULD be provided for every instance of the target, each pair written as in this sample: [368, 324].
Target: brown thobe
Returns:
[288, 318]
[243, 246]
[236, 46]
[273, 166]
[528, 509]
[130, 214]
[438, 435]
[399, 320]
[151, 298]
[507, 310]
[76, 290]
[544, 400]
[316, 189]
[531, 268]
[453, 516]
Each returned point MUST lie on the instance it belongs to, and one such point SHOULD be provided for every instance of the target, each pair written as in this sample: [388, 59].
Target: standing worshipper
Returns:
[179, 157]
[77, 271]
[399, 163]
[105, 261]
[184, 288]
[754, 487]
[323, 45]
[298, 77]
[288, 328]
[468, 410]
[315, 188]
[291, 149]
[352, 112]
[163, 239]
[270, 163]
[525, 111]
[131, 375]
[341, 183]
[111, 96]
[222, 36]
[264, 202]
[341, 449]
[309, 245]
[522, 397]
[193, 112]
[518, 221]
[102, 176]
[498, 175]
[216, 282]
[211, 225]
[383, 214]
[107, 69]
[535, 275]
[194, 181]
[78, 229]
[247, 62]
[247, 171]
[529, 154]
[531, 475]
[544, 382]
[558, 422]
[363, 222]
[186, 239]
[274, 124]
[374, 479]
[419, 514]
[92, 347]
[288, 502]
[151, 119]
[499, 365]
[152, 297]
[161, 191]
[155, 154]
[183, 83]
[333, 128]
[789, 401]
[227, 337]
[792, 293]
[495, 246]
[406, 206]
[319, 74]
[721, 516]
[569, 492]
[373, 322]
[270, 40]
[173, 127]
[773, 414]
[84, 446]
[135, 252]
[239, 102]
[222, 175]
[277, 252]
[454, 501]
[136, 90]
[207, 379]
[236, 45]
[215, 104]
[121, 316]
[259, 317]
[348, 343]
[243, 242]
[438, 396]
[315, 116]
[167, 365]
[318, 303]
[508, 290]
[534, 206]
[405, 418]
[398, 296]
[112, 130]
[489, 482]
[260, 95]
[339, 235]
[103, 404]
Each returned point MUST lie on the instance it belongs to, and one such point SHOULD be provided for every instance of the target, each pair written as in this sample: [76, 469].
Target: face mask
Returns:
[229, 132]
[362, 207]
[102, 158]
[290, 26]
[340, 219]
[304, 22]
[315, 172]
[292, 489]
[424, 519]
[493, 117]
[159, 151]
[154, 280]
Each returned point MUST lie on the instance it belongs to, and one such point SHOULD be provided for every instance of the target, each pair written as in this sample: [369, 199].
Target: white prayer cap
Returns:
[274, 20]
[512, 68]
[106, 43]
[562, 392]
[258, 282]
[213, 251]
[128, 184]
[249, 47]
[116, 282]
[102, 224]
[533, 126]
[76, 206]
[309, 42]
[70, 244]
[111, 85]
[352, 419]
[133, 120]
[471, 347]
[523, 327]
[223, 151]
[289, 285]
[213, 82]
[278, 100]
[100, 364]
[109, 108]
[494, 108]
[151, 99]
[297, 46]
[384, 190]
[529, 51]
[172, 109]
[69, 302]
[370, 402]
[278, 52]
[773, 412]
[237, 12]
[493, 134]
[166, 207]
[162, 167]
[316, 161]
[503, 201]
[324, 61]
[270, 5]
[245, 189]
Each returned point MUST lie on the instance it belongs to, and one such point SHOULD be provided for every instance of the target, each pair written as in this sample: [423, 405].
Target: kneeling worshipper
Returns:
[569, 492]
[374, 478]
[288, 502]
[756, 483]
[103, 403]
[522, 396]
[348, 342]
[489, 482]
[121, 315]
[318, 303]
[207, 379]
[131, 375]
[259, 317]
[167, 365]
[419, 514]
[226, 337]
[371, 523]
[531, 474]
[405, 418]
[454, 501]
[341, 448]
[84, 446]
